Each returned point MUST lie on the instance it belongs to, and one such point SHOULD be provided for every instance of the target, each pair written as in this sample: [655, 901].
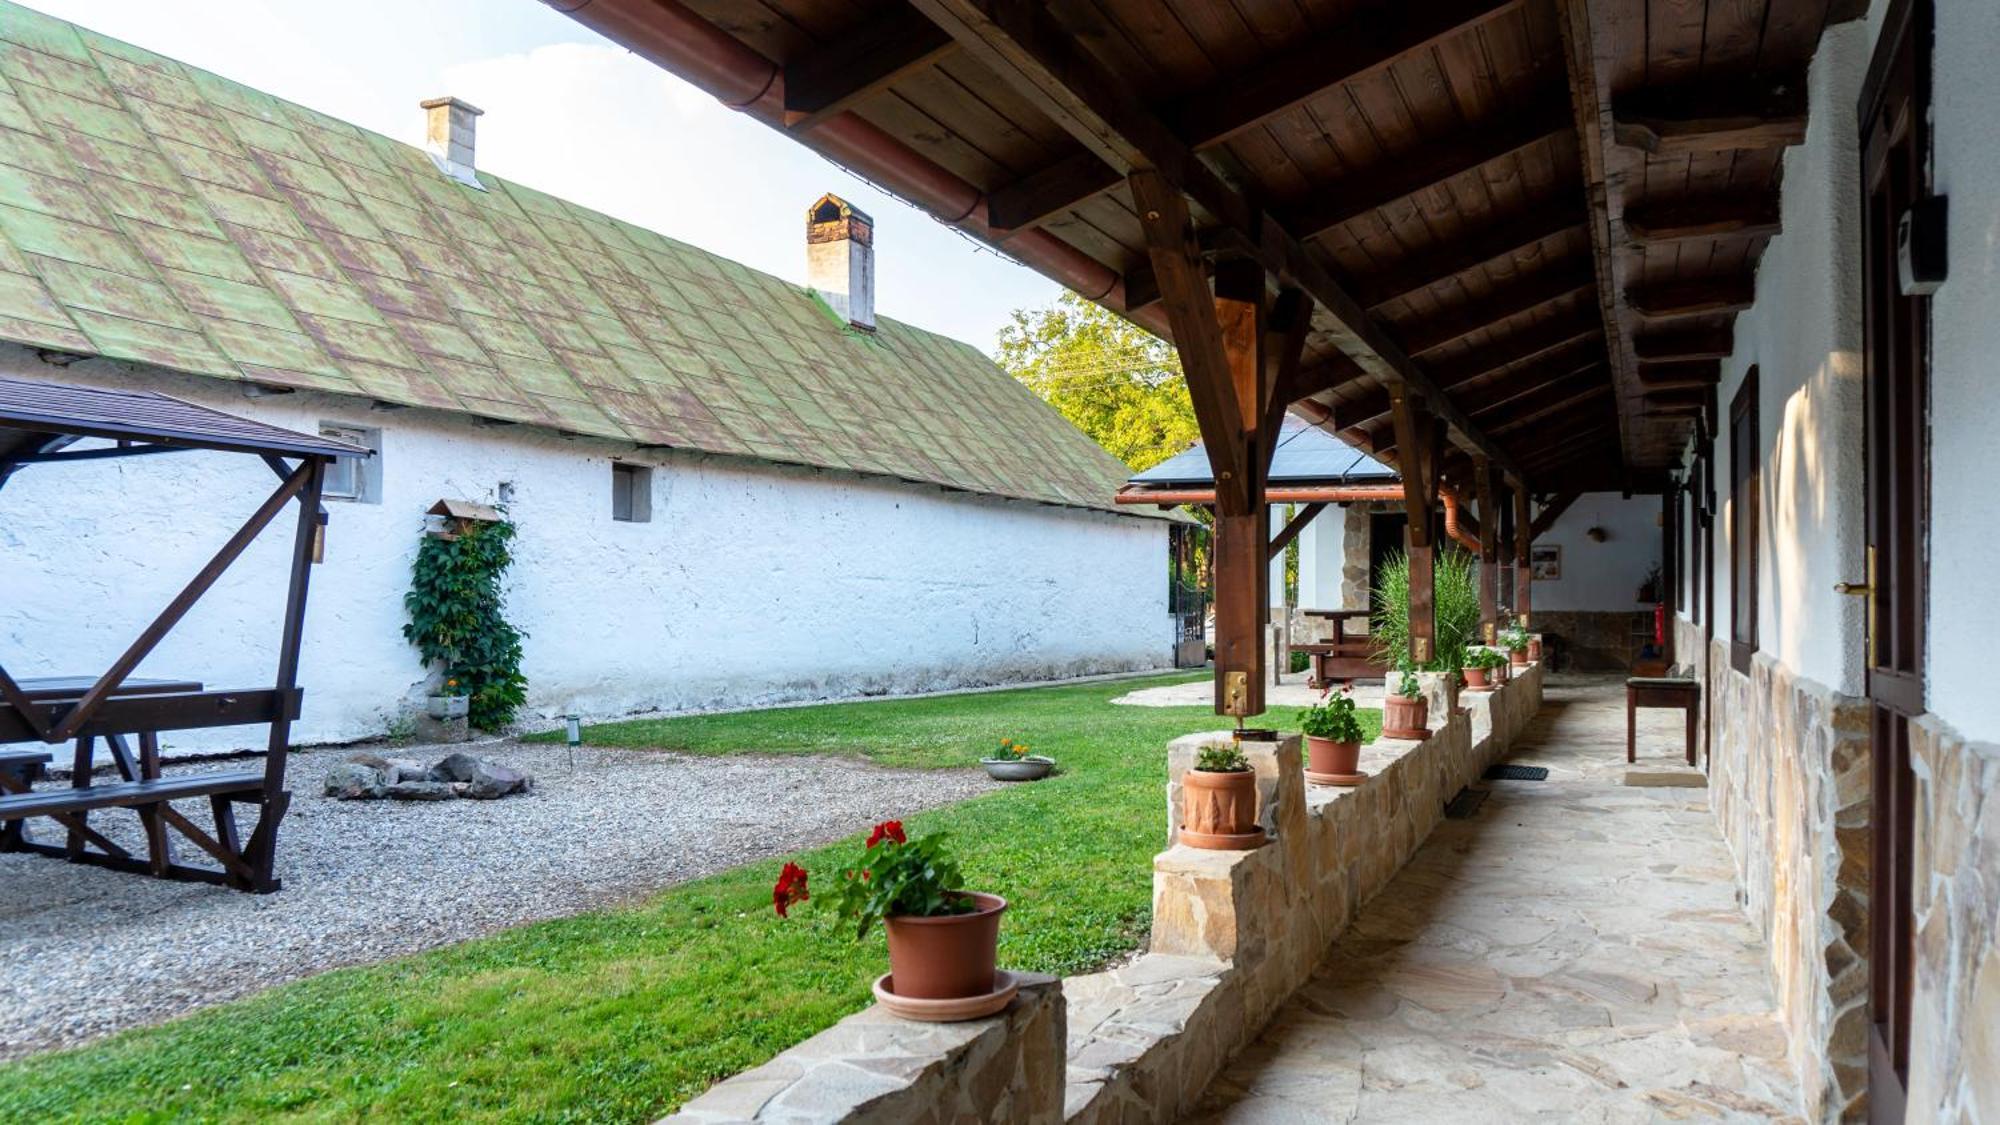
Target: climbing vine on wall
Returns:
[457, 621]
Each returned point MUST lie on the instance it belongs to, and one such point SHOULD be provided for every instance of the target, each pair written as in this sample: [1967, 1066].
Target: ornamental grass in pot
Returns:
[1219, 801]
[1333, 740]
[1405, 711]
[943, 940]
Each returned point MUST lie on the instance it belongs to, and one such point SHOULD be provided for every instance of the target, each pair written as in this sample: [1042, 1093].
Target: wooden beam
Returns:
[1498, 402]
[1543, 220]
[1523, 573]
[1689, 398]
[1663, 224]
[1667, 347]
[1023, 45]
[831, 79]
[1197, 335]
[1419, 472]
[1487, 485]
[1680, 373]
[1670, 134]
[1550, 513]
[1521, 347]
[1505, 303]
[1432, 164]
[1695, 298]
[1550, 399]
[1291, 529]
[1289, 324]
[1242, 101]
[1545, 412]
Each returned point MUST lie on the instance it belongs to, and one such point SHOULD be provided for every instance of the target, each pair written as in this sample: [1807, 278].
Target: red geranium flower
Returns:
[791, 888]
[889, 830]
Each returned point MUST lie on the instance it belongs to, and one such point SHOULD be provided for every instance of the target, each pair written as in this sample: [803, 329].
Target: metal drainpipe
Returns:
[669, 35]
[1465, 538]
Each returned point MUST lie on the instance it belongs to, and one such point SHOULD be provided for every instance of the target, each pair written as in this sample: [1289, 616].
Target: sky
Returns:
[572, 114]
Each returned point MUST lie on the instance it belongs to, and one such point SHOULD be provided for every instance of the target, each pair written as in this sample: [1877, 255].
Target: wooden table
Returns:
[1660, 691]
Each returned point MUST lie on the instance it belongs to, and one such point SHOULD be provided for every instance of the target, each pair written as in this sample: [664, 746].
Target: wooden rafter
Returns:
[1545, 287]
[1668, 347]
[1683, 122]
[1543, 220]
[1662, 224]
[1499, 401]
[836, 77]
[1243, 101]
[1570, 405]
[1550, 513]
[1292, 528]
[1680, 373]
[1522, 347]
[1023, 45]
[1695, 298]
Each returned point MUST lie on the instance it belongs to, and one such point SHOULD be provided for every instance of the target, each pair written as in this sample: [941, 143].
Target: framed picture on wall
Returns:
[1546, 561]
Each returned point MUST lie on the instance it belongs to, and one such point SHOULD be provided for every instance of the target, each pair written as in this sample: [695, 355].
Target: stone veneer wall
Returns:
[1596, 641]
[1789, 788]
[1234, 935]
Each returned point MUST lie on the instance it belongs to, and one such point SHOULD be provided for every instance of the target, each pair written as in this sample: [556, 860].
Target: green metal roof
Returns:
[156, 213]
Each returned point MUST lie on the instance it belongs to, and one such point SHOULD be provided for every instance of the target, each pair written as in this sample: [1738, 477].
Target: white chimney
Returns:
[840, 259]
[448, 136]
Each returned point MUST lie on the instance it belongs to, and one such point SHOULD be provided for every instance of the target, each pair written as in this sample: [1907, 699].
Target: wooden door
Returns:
[1895, 154]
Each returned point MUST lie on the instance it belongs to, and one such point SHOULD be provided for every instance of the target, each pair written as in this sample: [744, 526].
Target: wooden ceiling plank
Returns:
[1544, 287]
[1543, 221]
[1528, 344]
[832, 79]
[1668, 347]
[1694, 298]
[1683, 120]
[1579, 399]
[1240, 102]
[1657, 224]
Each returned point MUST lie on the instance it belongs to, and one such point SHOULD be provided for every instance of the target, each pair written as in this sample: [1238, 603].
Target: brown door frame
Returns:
[1895, 139]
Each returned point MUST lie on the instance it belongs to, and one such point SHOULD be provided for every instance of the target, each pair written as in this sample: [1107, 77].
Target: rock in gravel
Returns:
[353, 781]
[454, 767]
[406, 769]
[420, 791]
[484, 778]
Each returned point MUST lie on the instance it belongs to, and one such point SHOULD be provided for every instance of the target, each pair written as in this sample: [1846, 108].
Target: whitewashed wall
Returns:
[1601, 577]
[752, 583]
[1323, 560]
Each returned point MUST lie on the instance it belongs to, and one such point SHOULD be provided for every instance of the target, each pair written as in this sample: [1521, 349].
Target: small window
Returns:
[356, 479]
[631, 493]
[1745, 500]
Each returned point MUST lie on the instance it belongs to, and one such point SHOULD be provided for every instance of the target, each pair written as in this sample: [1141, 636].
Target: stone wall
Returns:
[1789, 788]
[1594, 641]
[1955, 1030]
[1234, 935]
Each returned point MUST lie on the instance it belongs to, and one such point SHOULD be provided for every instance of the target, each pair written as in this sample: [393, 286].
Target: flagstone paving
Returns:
[1573, 952]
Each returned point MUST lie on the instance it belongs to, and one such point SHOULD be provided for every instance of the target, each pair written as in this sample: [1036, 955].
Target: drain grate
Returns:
[1465, 804]
[1516, 773]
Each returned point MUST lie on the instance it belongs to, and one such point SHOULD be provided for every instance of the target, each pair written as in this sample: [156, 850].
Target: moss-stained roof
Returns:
[153, 212]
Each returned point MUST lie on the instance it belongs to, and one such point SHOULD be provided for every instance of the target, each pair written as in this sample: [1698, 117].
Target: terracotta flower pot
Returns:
[1405, 718]
[1325, 756]
[946, 957]
[1518, 658]
[1217, 807]
[1534, 649]
[1475, 678]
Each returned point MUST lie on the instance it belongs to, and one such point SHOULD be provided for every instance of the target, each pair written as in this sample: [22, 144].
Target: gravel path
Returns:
[93, 951]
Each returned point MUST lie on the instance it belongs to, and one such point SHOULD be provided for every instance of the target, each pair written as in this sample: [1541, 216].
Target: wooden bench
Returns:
[1343, 657]
[19, 770]
[1678, 688]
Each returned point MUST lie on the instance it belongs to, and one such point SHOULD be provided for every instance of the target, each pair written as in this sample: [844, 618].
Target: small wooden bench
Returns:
[1678, 688]
[1343, 657]
[19, 770]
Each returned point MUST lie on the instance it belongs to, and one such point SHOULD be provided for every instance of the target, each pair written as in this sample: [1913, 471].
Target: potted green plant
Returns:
[1515, 641]
[1333, 740]
[1405, 711]
[1483, 669]
[943, 940]
[1219, 800]
[1011, 761]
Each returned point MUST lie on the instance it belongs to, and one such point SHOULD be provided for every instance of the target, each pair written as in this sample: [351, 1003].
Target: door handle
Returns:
[1853, 589]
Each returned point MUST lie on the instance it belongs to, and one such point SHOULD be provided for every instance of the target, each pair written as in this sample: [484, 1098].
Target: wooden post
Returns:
[1524, 574]
[1416, 459]
[1489, 550]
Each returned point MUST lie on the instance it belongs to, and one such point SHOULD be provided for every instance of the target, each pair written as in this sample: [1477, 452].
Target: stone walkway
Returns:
[1574, 952]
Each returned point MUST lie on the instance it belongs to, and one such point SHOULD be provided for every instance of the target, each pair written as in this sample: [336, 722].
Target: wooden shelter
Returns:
[45, 424]
[1496, 243]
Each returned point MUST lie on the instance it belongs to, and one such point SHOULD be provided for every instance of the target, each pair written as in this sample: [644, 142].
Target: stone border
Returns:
[1234, 935]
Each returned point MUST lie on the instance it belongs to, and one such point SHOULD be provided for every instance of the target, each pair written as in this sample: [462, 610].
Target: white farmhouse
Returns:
[729, 490]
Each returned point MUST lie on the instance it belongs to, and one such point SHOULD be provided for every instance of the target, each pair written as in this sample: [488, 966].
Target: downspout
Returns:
[667, 34]
[1469, 539]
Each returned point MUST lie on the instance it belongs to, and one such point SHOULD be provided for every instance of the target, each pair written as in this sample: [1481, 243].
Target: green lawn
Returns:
[622, 1015]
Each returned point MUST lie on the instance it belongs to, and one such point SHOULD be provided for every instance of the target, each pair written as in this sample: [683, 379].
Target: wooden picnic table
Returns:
[1343, 657]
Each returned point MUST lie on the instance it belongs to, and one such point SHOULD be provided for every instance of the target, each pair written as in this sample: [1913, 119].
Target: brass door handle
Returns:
[1853, 589]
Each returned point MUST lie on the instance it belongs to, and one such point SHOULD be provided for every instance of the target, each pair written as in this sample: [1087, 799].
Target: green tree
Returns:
[1115, 381]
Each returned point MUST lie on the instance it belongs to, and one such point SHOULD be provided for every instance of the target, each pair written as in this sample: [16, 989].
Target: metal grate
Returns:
[1516, 773]
[1465, 804]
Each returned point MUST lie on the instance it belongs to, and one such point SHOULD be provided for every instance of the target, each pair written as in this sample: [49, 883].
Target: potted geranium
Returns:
[942, 938]
[1333, 740]
[1405, 711]
[1515, 641]
[1012, 762]
[1219, 801]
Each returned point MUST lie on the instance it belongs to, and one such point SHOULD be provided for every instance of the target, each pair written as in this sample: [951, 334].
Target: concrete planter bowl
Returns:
[1034, 767]
[447, 706]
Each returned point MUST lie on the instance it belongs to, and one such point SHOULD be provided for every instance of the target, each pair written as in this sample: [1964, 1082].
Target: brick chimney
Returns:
[448, 136]
[840, 259]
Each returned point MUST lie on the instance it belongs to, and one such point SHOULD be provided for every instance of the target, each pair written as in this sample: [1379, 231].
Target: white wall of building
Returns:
[751, 584]
[1601, 577]
[1322, 558]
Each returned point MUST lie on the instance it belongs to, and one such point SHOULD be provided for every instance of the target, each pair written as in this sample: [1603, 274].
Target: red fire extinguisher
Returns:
[1660, 625]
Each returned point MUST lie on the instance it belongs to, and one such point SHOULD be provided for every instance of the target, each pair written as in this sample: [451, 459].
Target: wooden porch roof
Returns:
[1537, 217]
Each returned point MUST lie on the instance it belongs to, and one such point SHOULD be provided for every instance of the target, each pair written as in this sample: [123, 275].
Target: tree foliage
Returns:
[1114, 380]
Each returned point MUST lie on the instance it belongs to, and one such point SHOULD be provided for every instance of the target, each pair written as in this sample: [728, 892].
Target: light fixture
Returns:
[1596, 535]
[573, 735]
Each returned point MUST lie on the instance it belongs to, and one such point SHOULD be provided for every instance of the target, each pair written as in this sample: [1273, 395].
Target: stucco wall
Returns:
[1323, 560]
[751, 584]
[1601, 577]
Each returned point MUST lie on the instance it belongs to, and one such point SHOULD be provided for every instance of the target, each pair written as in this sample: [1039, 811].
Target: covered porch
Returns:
[1521, 253]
